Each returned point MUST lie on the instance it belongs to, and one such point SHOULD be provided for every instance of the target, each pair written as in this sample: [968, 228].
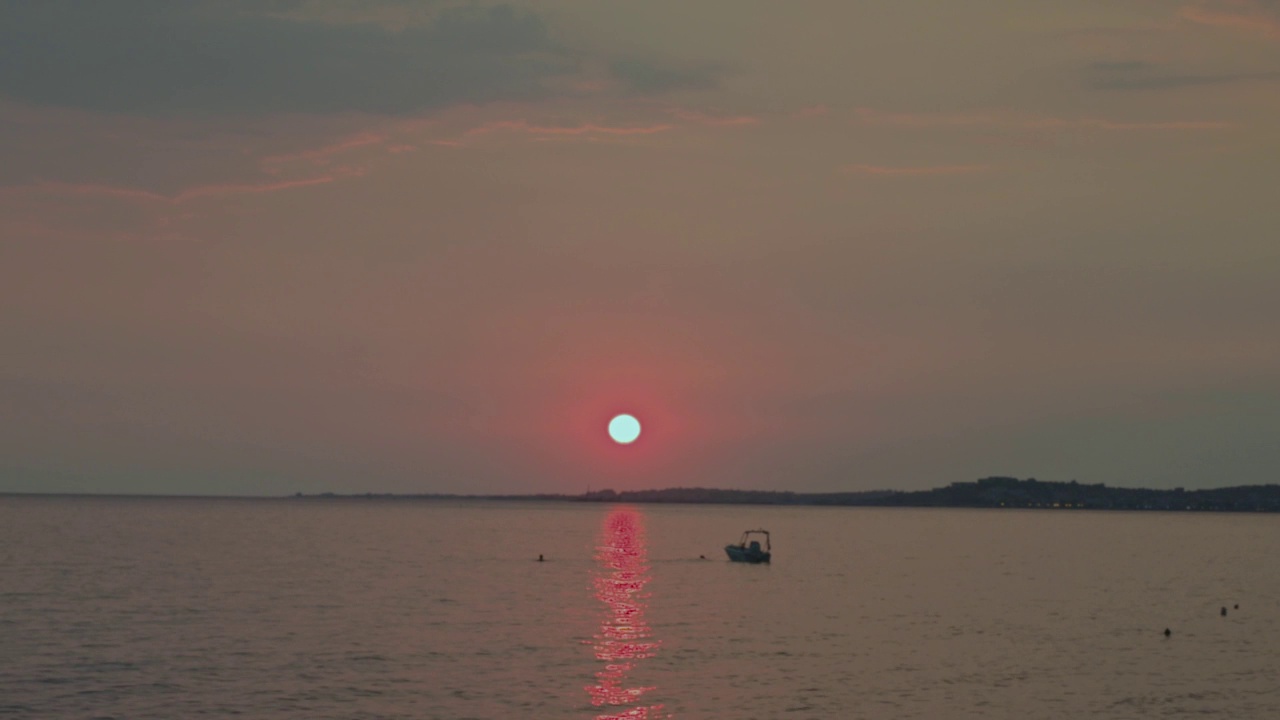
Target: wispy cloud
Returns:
[523, 126]
[1248, 16]
[233, 58]
[1136, 75]
[649, 121]
[323, 155]
[697, 116]
[1025, 122]
[649, 77]
[914, 170]
[190, 194]
[1170, 82]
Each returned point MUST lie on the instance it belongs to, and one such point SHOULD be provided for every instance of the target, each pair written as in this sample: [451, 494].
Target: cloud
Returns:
[1250, 16]
[524, 126]
[579, 122]
[194, 193]
[1135, 75]
[323, 155]
[1168, 82]
[1024, 122]
[236, 58]
[915, 171]
[697, 116]
[648, 77]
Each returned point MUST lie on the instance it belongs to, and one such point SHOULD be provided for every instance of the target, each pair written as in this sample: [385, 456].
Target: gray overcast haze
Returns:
[266, 247]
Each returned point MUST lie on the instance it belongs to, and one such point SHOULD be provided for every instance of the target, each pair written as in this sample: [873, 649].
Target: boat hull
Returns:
[738, 553]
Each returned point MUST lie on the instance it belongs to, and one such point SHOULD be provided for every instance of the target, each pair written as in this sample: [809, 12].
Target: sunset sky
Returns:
[252, 247]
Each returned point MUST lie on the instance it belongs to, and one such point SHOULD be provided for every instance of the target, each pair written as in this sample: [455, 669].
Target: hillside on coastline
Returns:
[990, 492]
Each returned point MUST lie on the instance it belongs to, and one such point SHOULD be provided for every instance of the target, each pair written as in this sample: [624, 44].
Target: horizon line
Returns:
[587, 493]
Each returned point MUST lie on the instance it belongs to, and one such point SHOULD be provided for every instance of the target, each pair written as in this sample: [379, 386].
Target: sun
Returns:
[624, 429]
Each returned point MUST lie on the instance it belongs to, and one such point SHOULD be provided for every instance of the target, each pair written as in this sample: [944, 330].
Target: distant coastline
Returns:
[990, 492]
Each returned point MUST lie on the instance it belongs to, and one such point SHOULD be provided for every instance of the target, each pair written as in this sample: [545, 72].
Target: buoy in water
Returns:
[1167, 633]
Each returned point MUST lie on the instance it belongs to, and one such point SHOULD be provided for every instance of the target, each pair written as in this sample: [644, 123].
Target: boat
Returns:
[748, 550]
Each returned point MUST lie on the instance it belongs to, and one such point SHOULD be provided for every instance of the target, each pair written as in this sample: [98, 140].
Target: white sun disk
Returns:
[624, 429]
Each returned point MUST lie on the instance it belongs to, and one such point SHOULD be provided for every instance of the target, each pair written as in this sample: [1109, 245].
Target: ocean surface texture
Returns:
[310, 608]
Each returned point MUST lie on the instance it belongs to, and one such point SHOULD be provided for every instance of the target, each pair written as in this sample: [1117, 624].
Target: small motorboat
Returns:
[748, 550]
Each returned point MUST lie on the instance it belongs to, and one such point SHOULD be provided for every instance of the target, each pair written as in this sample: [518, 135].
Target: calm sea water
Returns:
[177, 608]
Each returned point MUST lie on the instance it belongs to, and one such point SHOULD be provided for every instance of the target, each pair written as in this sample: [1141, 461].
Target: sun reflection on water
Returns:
[624, 638]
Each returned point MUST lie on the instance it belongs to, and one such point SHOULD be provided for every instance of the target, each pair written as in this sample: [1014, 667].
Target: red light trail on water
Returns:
[624, 637]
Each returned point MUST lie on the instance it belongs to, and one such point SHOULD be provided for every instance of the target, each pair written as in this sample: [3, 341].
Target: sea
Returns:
[356, 608]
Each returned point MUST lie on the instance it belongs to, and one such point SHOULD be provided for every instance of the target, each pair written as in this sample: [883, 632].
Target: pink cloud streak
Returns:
[1243, 15]
[915, 171]
[146, 196]
[698, 116]
[585, 129]
[1032, 122]
[322, 155]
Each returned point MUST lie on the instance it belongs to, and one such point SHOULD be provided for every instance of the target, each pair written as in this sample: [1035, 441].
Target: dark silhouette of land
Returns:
[991, 492]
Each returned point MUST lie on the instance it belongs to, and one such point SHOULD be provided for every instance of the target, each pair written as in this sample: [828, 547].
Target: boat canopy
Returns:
[746, 535]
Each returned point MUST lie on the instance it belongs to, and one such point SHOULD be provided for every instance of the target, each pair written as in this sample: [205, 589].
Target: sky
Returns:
[261, 247]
